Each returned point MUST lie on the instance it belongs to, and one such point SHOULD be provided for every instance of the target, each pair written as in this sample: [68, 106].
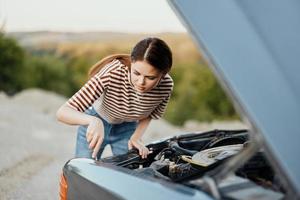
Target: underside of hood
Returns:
[254, 48]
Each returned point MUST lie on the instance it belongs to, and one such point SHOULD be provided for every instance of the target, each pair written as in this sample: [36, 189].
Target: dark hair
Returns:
[151, 50]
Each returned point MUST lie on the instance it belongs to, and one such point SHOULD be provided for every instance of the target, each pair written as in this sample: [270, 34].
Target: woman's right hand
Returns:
[95, 135]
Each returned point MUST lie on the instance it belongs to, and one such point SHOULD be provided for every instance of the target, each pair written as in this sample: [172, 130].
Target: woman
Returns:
[123, 94]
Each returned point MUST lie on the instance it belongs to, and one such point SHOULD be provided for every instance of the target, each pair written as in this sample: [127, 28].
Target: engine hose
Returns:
[174, 146]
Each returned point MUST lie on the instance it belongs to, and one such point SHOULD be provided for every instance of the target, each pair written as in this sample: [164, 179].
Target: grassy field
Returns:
[59, 62]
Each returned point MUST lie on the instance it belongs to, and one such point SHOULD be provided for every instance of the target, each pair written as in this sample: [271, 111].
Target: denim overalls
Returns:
[117, 135]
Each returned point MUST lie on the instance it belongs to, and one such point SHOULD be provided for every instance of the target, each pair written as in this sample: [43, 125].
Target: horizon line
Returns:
[91, 31]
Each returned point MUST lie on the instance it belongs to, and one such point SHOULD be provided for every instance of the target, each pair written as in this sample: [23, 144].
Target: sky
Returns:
[137, 16]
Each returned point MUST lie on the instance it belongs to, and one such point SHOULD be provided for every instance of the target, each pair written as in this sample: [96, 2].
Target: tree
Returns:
[11, 63]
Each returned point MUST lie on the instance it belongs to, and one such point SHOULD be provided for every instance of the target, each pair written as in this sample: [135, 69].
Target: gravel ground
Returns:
[34, 146]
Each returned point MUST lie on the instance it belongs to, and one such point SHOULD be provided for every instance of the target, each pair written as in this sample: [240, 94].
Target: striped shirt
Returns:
[113, 96]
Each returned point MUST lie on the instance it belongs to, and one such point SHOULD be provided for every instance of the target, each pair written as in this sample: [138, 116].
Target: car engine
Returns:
[186, 159]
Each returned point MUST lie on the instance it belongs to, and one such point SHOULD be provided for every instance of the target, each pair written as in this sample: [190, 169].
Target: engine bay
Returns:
[187, 159]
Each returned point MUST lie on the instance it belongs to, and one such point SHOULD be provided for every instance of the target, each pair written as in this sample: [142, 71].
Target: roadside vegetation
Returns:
[62, 67]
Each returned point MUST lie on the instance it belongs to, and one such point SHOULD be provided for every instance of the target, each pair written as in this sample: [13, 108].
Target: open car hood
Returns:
[254, 49]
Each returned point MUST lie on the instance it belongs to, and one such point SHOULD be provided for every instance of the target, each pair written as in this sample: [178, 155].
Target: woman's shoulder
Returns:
[166, 83]
[167, 80]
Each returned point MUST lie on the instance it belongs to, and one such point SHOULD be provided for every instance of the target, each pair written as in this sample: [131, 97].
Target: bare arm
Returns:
[140, 129]
[95, 129]
[135, 140]
[69, 115]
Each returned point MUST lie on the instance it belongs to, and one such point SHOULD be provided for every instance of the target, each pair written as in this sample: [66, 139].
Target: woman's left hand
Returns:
[143, 150]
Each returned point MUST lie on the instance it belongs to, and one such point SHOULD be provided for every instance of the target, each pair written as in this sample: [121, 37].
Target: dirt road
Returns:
[34, 146]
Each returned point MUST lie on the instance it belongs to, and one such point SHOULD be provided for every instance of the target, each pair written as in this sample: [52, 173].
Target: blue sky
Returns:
[89, 15]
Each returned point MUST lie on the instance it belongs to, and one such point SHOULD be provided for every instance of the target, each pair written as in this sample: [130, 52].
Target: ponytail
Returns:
[124, 59]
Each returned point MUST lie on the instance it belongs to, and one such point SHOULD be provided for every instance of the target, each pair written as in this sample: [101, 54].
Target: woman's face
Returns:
[144, 76]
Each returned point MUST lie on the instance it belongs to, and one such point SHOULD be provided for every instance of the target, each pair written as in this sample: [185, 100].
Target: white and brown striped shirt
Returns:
[113, 96]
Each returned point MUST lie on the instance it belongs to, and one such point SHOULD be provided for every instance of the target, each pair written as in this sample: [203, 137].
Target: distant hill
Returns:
[42, 37]
[89, 43]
